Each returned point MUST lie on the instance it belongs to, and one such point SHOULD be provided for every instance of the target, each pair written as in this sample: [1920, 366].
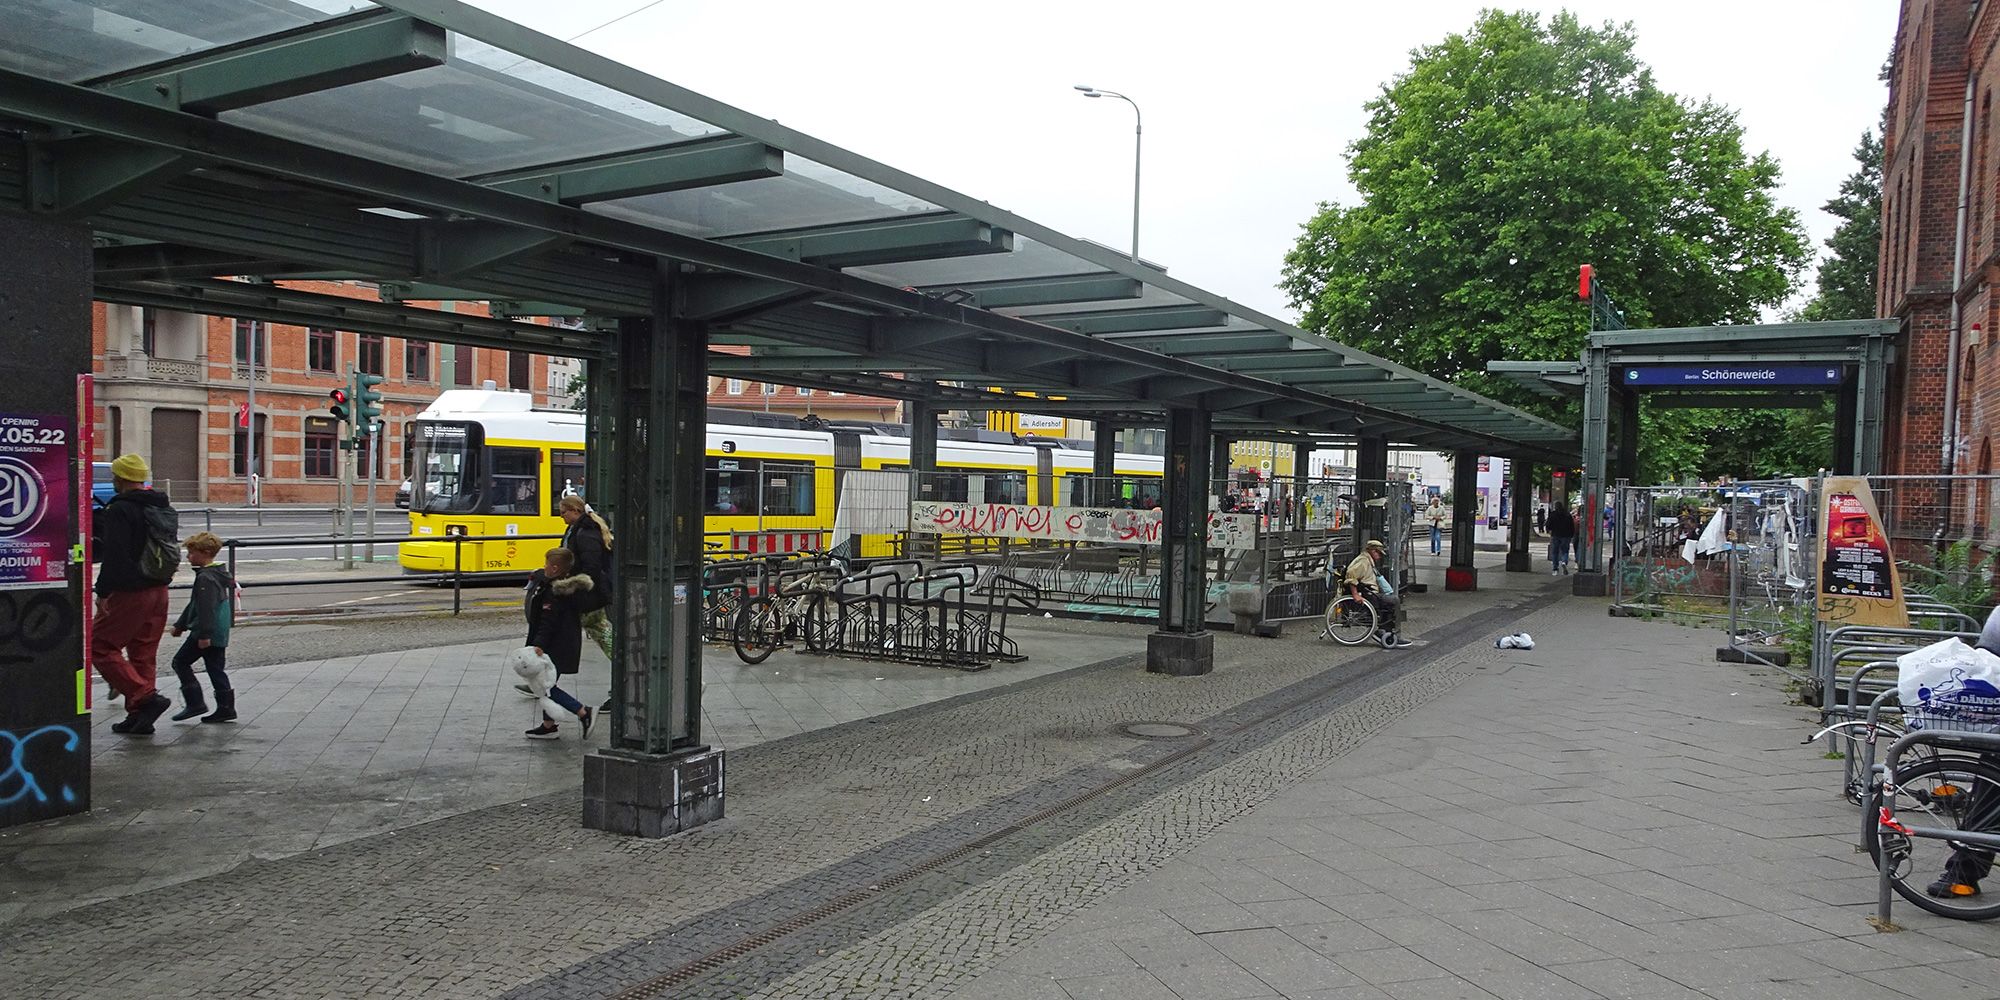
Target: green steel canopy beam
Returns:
[511, 308]
[334, 54]
[679, 167]
[1221, 345]
[1062, 289]
[1134, 320]
[140, 261]
[1719, 338]
[923, 237]
[722, 299]
[75, 177]
[452, 248]
[274, 304]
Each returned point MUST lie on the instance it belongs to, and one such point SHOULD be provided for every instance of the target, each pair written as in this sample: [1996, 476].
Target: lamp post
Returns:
[1138, 134]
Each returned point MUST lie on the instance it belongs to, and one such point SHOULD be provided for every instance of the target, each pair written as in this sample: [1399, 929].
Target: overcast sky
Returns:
[1249, 105]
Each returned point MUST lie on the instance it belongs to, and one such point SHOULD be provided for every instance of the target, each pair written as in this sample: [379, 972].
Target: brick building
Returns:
[1942, 414]
[796, 401]
[171, 386]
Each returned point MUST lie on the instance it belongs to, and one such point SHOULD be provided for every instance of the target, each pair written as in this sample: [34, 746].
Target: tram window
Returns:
[730, 487]
[516, 481]
[788, 489]
[445, 476]
[566, 472]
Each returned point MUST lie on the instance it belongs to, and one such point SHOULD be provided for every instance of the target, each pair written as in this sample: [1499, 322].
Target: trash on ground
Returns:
[1519, 640]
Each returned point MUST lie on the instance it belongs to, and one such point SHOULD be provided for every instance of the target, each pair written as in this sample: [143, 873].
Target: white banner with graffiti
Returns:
[1107, 525]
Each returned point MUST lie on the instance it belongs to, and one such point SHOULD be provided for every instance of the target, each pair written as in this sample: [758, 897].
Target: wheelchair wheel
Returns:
[1350, 621]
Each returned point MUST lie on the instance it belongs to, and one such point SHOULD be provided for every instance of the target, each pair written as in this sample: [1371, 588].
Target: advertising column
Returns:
[44, 347]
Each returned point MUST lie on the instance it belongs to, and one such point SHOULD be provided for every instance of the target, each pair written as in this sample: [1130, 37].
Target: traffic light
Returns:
[367, 404]
[339, 405]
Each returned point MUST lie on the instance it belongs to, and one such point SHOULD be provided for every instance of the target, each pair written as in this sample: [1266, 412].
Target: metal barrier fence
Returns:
[458, 576]
[1658, 563]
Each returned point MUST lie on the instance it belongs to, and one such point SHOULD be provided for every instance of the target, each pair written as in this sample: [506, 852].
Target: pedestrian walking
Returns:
[1542, 520]
[589, 539]
[1562, 538]
[210, 611]
[1436, 512]
[135, 538]
[555, 629]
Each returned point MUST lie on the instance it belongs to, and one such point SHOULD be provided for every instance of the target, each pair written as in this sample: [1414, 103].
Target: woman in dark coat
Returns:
[590, 538]
[556, 596]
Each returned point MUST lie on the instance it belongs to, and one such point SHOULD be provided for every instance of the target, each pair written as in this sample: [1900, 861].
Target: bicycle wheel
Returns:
[1954, 793]
[816, 622]
[1350, 621]
[756, 635]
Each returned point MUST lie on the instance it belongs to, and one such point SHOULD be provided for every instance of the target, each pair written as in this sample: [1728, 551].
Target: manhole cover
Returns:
[1158, 730]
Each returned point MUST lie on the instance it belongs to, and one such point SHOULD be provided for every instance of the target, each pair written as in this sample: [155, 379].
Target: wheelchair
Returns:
[1354, 620]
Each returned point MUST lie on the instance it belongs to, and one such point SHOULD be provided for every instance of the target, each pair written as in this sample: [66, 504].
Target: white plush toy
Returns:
[539, 673]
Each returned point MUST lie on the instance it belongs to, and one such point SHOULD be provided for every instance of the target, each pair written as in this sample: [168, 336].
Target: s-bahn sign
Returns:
[1727, 376]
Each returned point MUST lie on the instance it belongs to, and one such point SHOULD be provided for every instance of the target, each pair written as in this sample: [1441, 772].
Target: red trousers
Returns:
[125, 642]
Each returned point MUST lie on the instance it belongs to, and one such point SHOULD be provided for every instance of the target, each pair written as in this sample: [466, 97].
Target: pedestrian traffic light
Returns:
[339, 405]
[367, 404]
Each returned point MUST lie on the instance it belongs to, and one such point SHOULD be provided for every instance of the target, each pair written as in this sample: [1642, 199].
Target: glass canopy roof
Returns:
[506, 100]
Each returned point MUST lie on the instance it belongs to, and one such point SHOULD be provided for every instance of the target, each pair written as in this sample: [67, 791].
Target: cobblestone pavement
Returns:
[330, 750]
[833, 835]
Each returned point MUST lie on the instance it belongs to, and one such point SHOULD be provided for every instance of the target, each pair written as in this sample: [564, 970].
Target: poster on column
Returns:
[1857, 571]
[34, 501]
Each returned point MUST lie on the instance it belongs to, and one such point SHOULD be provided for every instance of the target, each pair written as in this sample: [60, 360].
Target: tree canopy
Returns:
[1504, 158]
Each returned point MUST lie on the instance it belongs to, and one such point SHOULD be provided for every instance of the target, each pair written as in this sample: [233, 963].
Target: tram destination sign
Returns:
[1726, 376]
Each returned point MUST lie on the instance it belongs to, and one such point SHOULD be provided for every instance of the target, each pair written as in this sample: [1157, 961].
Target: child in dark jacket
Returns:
[206, 620]
[557, 594]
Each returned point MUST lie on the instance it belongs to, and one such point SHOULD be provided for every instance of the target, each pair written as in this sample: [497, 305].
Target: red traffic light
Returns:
[337, 395]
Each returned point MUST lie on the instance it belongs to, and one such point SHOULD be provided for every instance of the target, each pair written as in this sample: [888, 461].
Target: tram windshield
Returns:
[444, 469]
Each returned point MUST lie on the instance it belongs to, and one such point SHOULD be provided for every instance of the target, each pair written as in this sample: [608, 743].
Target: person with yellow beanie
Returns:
[135, 539]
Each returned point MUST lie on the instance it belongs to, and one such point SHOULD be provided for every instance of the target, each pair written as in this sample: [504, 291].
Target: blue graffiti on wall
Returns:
[17, 765]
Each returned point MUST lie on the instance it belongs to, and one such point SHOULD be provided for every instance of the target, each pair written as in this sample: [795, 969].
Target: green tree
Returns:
[1504, 158]
[1847, 276]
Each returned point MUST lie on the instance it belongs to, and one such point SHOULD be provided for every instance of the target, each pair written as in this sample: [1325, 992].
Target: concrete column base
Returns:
[1461, 578]
[651, 795]
[1521, 562]
[1180, 654]
[1590, 584]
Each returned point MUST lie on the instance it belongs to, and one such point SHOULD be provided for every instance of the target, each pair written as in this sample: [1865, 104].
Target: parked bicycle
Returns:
[797, 607]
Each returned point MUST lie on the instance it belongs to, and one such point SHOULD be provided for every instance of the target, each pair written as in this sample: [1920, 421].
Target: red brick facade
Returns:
[771, 397]
[1941, 46]
[170, 386]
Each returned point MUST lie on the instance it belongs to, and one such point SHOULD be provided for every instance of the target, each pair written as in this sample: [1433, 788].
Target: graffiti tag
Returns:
[18, 782]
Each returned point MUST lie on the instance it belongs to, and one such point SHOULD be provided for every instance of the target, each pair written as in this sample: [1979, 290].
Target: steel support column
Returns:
[1103, 463]
[1845, 430]
[1461, 574]
[922, 414]
[1590, 581]
[1182, 646]
[1628, 435]
[1520, 529]
[1218, 465]
[44, 346]
[1871, 392]
[655, 778]
[1371, 472]
[1301, 482]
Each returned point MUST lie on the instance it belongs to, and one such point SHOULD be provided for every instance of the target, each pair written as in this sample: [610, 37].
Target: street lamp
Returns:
[1138, 134]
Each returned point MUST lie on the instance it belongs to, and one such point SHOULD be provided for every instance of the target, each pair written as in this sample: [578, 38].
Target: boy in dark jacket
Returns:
[206, 619]
[557, 595]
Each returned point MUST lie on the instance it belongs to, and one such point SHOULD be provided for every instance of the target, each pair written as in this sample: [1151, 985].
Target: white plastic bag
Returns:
[1950, 685]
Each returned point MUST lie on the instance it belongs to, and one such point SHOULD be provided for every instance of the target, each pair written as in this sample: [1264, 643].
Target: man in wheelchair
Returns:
[1363, 580]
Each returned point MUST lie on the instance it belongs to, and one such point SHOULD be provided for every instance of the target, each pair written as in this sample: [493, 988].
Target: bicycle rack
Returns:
[1967, 742]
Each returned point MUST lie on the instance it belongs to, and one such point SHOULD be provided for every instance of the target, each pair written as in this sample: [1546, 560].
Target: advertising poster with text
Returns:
[34, 501]
[1857, 570]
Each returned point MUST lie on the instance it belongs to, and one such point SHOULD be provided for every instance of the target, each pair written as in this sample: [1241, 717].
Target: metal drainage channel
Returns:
[715, 960]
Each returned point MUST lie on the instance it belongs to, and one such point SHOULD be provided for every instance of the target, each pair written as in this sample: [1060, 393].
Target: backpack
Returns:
[160, 551]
